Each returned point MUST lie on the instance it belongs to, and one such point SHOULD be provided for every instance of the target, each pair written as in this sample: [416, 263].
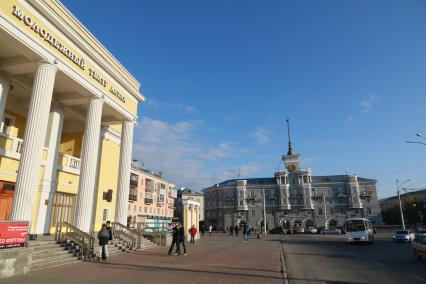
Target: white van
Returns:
[359, 230]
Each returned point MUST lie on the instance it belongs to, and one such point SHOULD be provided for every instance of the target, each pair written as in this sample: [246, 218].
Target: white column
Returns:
[89, 165]
[49, 182]
[35, 133]
[4, 91]
[123, 186]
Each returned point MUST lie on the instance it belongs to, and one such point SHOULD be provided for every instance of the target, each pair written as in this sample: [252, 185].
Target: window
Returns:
[241, 203]
[140, 209]
[342, 210]
[145, 209]
[253, 213]
[368, 211]
[332, 211]
[319, 211]
[105, 215]
[305, 179]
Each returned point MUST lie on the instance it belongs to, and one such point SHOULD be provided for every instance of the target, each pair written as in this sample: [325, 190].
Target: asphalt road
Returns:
[330, 259]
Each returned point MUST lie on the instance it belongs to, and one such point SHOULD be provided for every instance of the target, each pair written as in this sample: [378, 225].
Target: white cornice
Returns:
[77, 39]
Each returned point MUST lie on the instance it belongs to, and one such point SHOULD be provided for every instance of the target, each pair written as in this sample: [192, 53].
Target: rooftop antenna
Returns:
[239, 173]
[290, 149]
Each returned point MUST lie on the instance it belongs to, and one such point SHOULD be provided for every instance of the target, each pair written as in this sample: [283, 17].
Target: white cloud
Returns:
[348, 120]
[183, 156]
[261, 135]
[368, 103]
[157, 104]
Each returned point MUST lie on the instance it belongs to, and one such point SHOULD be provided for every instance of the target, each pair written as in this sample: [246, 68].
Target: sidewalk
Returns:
[216, 259]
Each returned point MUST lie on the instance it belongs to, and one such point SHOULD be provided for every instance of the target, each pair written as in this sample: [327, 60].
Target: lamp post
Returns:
[399, 198]
[418, 142]
[264, 211]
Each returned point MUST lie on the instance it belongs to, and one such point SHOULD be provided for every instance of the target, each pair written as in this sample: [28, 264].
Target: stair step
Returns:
[48, 247]
[58, 251]
[53, 258]
[36, 244]
[53, 263]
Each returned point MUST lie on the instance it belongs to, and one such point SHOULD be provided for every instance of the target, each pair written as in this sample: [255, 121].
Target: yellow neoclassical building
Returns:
[68, 110]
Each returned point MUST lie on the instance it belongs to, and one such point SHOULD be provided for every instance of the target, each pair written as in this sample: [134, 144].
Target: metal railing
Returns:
[151, 232]
[65, 231]
[127, 234]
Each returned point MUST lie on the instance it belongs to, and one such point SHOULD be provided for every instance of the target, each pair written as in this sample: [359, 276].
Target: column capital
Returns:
[47, 65]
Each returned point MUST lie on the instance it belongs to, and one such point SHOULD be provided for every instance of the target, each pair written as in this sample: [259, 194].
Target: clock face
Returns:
[291, 168]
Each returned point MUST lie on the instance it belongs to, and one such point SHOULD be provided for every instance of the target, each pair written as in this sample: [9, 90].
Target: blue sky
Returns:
[221, 77]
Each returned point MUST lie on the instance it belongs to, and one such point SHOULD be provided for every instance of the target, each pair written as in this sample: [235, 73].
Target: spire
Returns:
[290, 149]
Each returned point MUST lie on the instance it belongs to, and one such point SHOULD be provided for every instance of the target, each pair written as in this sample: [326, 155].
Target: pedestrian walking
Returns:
[175, 240]
[231, 229]
[210, 230]
[108, 226]
[236, 229]
[103, 237]
[245, 232]
[202, 230]
[193, 232]
[181, 231]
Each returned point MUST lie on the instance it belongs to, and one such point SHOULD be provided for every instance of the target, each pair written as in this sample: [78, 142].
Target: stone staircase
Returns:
[49, 253]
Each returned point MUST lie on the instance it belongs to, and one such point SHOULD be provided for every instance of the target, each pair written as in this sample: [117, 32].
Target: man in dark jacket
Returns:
[108, 226]
[181, 241]
[175, 240]
[103, 237]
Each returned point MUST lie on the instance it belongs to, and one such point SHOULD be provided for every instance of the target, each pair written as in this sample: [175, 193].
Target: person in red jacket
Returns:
[193, 232]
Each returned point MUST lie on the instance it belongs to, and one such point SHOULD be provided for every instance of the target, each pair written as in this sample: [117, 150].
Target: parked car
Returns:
[419, 244]
[312, 230]
[331, 231]
[299, 230]
[403, 236]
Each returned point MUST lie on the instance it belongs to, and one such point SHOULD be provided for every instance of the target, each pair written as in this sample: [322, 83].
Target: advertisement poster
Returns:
[13, 234]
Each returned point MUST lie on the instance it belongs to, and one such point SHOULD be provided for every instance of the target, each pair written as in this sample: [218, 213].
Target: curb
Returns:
[283, 264]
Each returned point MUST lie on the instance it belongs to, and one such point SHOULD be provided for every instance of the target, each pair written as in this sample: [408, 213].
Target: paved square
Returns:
[216, 259]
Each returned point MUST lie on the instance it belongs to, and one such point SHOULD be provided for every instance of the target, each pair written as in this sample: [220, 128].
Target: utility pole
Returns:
[325, 211]
[264, 211]
[400, 204]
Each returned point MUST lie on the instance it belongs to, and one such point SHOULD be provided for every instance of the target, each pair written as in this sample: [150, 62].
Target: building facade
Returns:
[189, 194]
[293, 198]
[68, 110]
[151, 198]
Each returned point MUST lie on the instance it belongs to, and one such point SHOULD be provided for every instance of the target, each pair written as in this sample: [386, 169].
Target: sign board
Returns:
[13, 234]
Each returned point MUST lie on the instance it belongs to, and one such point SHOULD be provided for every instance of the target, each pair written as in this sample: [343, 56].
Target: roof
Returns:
[272, 180]
[250, 181]
[187, 191]
[337, 178]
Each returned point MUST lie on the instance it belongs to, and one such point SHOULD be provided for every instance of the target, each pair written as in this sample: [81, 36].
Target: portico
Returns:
[68, 110]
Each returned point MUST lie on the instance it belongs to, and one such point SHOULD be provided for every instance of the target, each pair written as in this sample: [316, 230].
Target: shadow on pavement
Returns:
[181, 269]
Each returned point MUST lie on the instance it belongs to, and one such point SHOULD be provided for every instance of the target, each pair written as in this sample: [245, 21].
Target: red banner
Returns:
[13, 234]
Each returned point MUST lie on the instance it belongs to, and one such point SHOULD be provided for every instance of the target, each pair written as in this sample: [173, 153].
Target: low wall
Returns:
[15, 261]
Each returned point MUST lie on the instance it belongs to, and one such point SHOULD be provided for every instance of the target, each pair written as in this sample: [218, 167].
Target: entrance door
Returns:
[6, 198]
[63, 209]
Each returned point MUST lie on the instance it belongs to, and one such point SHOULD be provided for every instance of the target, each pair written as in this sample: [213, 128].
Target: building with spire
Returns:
[294, 199]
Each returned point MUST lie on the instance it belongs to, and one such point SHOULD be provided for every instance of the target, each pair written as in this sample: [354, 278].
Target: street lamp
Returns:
[418, 142]
[399, 198]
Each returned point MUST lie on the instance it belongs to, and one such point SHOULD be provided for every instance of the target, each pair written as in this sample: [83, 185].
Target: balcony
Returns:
[365, 194]
[148, 200]
[149, 187]
[172, 193]
[133, 180]
[133, 195]
[162, 191]
[69, 164]
[160, 202]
